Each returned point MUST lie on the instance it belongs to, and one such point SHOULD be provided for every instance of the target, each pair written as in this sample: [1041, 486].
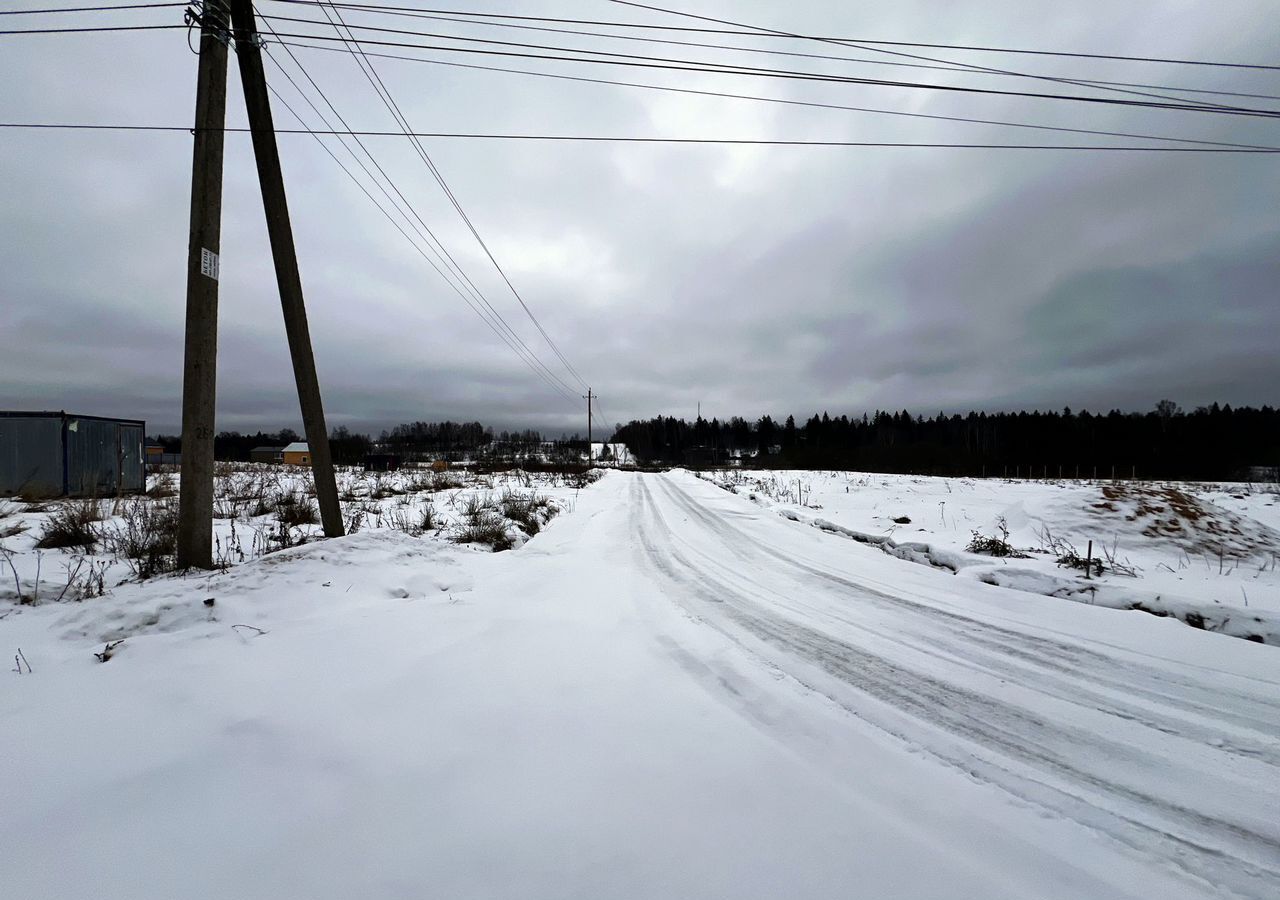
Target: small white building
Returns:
[611, 454]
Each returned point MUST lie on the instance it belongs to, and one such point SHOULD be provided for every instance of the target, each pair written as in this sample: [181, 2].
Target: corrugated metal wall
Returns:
[31, 455]
[57, 454]
[133, 458]
[103, 457]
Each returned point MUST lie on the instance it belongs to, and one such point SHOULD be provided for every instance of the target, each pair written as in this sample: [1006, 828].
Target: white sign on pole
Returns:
[208, 263]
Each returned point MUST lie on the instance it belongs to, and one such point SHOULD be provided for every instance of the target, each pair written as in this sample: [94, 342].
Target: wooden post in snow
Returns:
[200, 352]
[271, 180]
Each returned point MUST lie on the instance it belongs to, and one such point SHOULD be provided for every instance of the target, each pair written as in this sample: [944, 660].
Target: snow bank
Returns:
[1205, 554]
[1237, 621]
[291, 584]
[912, 551]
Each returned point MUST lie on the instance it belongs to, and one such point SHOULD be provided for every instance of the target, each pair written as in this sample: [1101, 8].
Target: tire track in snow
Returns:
[1262, 718]
[1071, 679]
[1032, 758]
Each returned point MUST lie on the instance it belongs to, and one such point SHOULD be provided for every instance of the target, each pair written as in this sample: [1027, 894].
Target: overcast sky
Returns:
[751, 279]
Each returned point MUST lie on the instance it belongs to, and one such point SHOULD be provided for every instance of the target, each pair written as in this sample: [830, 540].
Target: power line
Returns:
[896, 53]
[422, 225]
[381, 89]
[948, 65]
[423, 229]
[372, 7]
[760, 50]
[590, 138]
[1117, 57]
[397, 225]
[77, 9]
[741, 69]
[14, 31]
[790, 102]
[512, 340]
[400, 228]
[637, 61]
[404, 122]
[712, 93]
[600, 413]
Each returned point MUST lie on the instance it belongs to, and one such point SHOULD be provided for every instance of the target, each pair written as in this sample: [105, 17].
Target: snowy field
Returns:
[670, 690]
[1207, 554]
[78, 549]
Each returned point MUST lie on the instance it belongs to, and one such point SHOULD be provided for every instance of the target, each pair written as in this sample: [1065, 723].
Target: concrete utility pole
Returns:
[589, 424]
[271, 180]
[195, 495]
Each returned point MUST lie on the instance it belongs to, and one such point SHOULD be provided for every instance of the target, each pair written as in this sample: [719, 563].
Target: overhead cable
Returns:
[635, 61]
[792, 102]
[975, 67]
[479, 312]
[648, 26]
[394, 107]
[594, 138]
[1090, 82]
[424, 231]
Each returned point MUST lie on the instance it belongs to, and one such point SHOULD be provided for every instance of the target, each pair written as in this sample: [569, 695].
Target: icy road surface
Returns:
[670, 693]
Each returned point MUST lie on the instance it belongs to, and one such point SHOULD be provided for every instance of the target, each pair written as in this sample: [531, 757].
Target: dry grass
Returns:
[146, 538]
[1165, 512]
[162, 487]
[990, 545]
[293, 510]
[243, 493]
[482, 524]
[72, 524]
[489, 530]
[529, 511]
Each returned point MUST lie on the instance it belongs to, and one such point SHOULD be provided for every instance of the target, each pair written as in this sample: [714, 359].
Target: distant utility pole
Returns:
[271, 180]
[589, 424]
[195, 496]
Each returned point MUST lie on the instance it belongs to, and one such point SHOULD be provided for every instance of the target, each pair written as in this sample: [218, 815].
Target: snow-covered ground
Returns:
[670, 691]
[1204, 553]
[260, 509]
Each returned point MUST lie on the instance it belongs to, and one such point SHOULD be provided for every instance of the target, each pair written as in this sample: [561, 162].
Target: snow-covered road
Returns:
[1165, 756]
[668, 693]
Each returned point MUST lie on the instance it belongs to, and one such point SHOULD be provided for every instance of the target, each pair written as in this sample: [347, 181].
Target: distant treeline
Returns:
[436, 437]
[410, 440]
[1213, 442]
[232, 446]
[471, 440]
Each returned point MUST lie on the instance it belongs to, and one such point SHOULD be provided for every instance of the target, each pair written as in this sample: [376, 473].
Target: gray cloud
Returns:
[751, 279]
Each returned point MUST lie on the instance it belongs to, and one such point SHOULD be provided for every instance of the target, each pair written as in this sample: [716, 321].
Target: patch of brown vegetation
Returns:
[1166, 512]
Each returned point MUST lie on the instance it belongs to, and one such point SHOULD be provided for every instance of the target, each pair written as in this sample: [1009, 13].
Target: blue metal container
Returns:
[54, 454]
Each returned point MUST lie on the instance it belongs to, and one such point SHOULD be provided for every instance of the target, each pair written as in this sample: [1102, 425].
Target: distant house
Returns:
[296, 454]
[606, 453]
[156, 456]
[268, 454]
